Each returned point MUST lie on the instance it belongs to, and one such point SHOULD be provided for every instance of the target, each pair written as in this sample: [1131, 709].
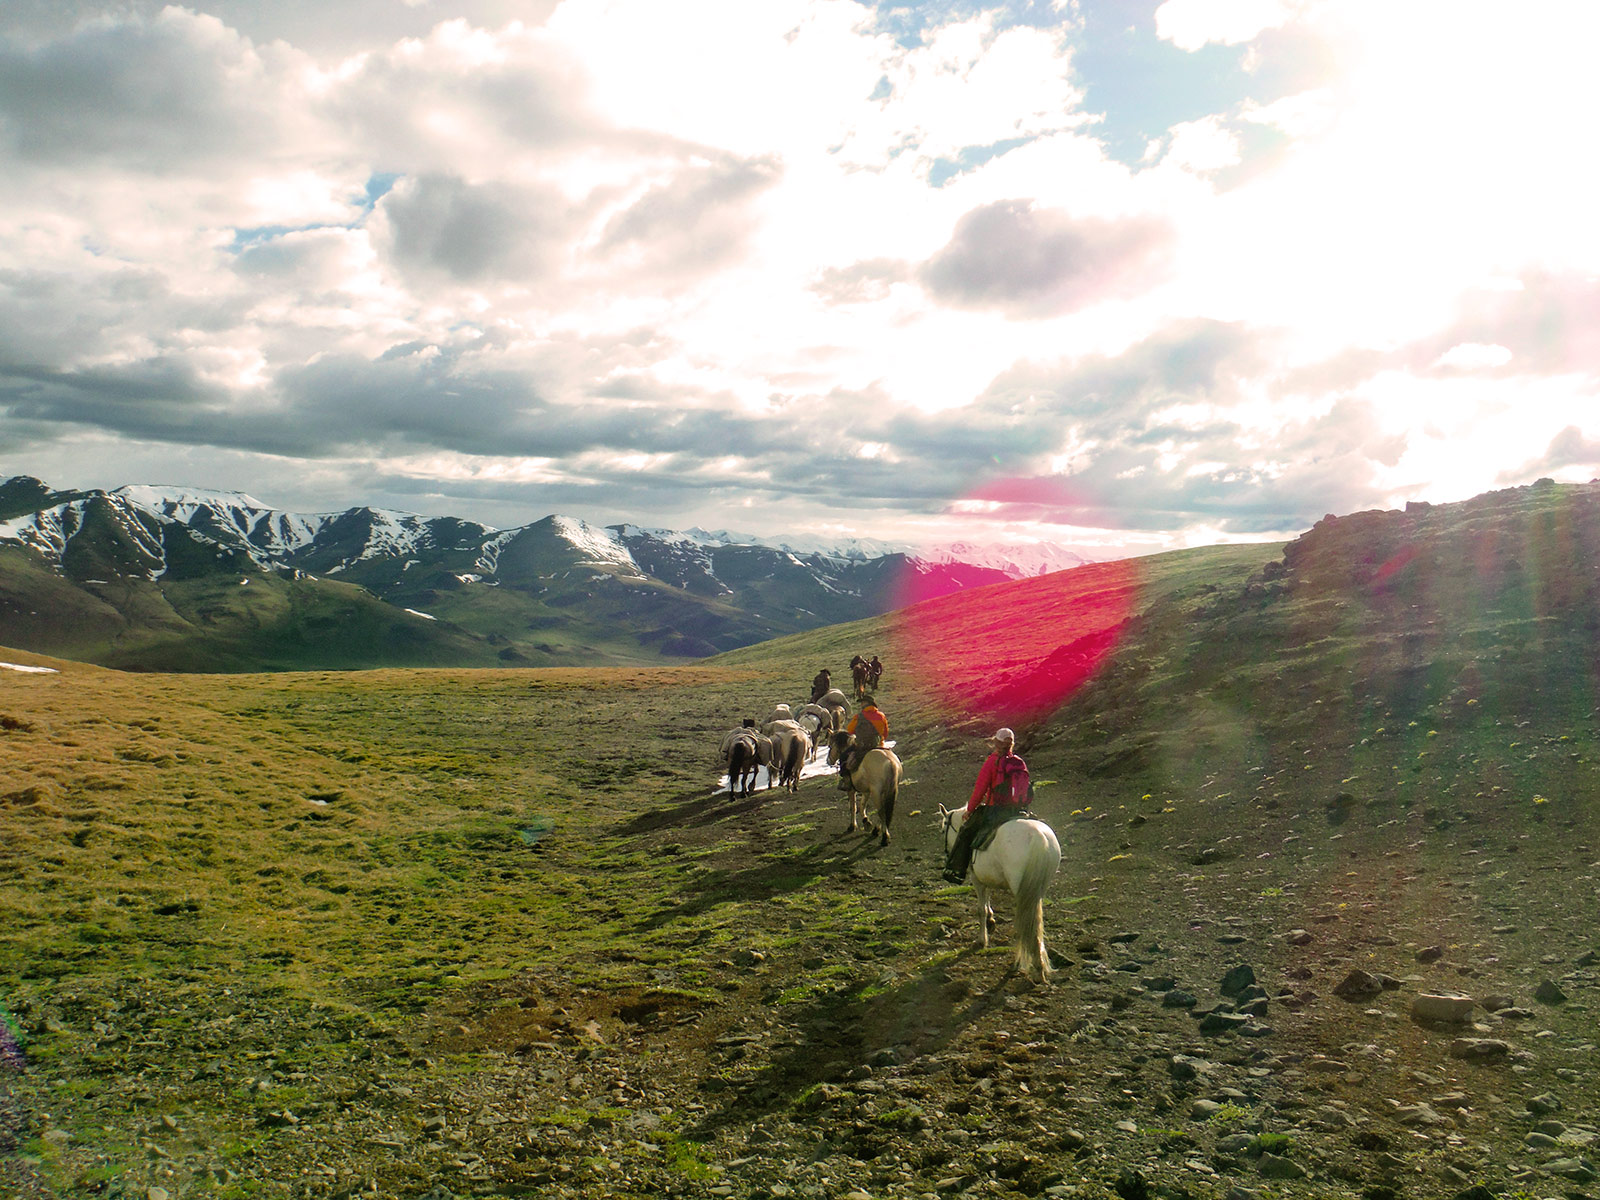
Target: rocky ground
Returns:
[1207, 1034]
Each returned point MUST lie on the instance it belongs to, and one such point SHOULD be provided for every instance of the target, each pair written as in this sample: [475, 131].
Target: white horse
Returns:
[1021, 860]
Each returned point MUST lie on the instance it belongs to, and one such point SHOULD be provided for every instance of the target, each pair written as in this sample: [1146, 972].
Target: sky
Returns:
[1126, 275]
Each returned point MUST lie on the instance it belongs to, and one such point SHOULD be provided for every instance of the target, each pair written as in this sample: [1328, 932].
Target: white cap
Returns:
[1003, 735]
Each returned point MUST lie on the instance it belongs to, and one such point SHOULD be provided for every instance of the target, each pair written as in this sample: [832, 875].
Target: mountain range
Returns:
[172, 578]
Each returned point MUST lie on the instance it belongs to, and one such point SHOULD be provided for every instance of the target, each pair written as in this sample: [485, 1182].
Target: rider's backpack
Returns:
[1012, 786]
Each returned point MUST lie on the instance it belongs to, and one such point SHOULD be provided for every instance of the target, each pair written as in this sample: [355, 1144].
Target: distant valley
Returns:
[182, 579]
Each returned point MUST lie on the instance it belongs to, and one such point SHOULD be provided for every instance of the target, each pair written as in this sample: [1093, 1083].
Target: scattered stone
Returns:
[1419, 1115]
[1237, 979]
[1480, 1049]
[1204, 1110]
[1549, 992]
[1446, 1009]
[1223, 1022]
[1298, 937]
[1588, 958]
[1571, 1168]
[1332, 1119]
[1358, 985]
[1544, 1104]
[1430, 954]
[1177, 998]
[1276, 1166]
[1495, 1001]
[1183, 1067]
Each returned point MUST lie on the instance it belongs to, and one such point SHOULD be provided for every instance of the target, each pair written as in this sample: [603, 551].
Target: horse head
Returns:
[837, 745]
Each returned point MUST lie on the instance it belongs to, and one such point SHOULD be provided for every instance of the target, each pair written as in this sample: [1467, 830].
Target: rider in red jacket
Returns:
[979, 807]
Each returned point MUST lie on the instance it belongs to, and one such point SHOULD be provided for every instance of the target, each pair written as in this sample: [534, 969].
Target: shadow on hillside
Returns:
[768, 878]
[697, 808]
[860, 1025]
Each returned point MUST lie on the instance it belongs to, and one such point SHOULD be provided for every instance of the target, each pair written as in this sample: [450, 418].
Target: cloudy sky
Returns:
[1125, 274]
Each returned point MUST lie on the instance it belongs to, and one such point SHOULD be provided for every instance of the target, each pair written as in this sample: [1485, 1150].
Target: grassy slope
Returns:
[1362, 757]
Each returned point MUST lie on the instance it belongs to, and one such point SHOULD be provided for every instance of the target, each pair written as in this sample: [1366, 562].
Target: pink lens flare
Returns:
[1013, 652]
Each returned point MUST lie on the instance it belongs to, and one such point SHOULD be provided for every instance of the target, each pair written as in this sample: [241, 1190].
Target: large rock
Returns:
[1549, 992]
[1237, 979]
[1480, 1049]
[1358, 985]
[1447, 1009]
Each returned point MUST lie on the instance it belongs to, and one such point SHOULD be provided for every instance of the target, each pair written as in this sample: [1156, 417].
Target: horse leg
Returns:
[985, 914]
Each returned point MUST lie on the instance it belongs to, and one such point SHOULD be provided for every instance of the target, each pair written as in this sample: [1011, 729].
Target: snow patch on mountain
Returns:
[1019, 560]
[489, 556]
[599, 546]
[846, 550]
[185, 503]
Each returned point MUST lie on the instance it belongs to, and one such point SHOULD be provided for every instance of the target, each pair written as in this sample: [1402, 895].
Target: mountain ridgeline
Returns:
[157, 578]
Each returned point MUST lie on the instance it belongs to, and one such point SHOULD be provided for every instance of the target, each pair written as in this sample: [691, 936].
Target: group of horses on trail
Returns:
[865, 675]
[787, 740]
[1019, 859]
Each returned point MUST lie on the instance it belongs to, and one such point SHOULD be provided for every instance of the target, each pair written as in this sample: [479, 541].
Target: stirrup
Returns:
[950, 876]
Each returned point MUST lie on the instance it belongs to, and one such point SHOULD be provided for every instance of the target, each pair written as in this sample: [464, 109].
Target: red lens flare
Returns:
[1012, 652]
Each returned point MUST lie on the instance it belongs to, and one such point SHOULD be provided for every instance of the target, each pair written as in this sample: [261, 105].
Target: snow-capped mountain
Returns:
[1018, 560]
[559, 589]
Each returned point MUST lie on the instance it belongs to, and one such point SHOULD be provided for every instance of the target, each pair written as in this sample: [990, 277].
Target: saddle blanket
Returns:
[998, 815]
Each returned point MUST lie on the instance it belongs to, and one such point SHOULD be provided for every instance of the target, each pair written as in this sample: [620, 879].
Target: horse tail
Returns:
[794, 757]
[1037, 872]
[891, 789]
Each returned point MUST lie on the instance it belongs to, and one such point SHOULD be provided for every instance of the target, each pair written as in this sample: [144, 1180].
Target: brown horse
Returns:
[860, 675]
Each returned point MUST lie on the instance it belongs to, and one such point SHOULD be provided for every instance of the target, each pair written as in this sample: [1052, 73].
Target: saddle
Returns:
[1002, 815]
